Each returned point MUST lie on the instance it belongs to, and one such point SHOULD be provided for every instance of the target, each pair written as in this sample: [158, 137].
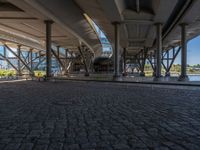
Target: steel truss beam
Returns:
[124, 62]
[40, 61]
[63, 61]
[85, 55]
[169, 60]
[68, 60]
[141, 60]
[24, 58]
[18, 61]
[30, 61]
[72, 59]
[7, 60]
[58, 59]
[21, 55]
[151, 59]
[18, 57]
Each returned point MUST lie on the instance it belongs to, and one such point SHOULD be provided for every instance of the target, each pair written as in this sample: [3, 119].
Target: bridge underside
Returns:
[138, 31]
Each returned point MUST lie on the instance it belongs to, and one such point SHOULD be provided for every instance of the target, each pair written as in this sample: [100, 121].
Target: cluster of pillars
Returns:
[158, 56]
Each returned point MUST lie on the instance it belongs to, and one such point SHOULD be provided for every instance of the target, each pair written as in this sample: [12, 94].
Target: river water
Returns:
[194, 77]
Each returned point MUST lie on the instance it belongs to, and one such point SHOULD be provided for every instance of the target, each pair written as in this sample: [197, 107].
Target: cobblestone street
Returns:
[97, 116]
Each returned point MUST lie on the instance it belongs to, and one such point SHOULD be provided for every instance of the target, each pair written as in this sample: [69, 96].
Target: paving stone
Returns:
[2, 146]
[26, 146]
[12, 146]
[71, 147]
[121, 146]
[5, 140]
[98, 116]
[55, 146]
[40, 147]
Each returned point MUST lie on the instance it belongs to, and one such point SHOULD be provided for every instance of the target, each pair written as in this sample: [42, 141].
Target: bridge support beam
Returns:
[82, 51]
[59, 60]
[117, 75]
[17, 56]
[19, 73]
[5, 56]
[159, 49]
[144, 57]
[39, 56]
[31, 59]
[8, 62]
[169, 60]
[41, 60]
[58, 51]
[58, 55]
[68, 61]
[183, 76]
[124, 63]
[48, 24]
[151, 59]
[167, 73]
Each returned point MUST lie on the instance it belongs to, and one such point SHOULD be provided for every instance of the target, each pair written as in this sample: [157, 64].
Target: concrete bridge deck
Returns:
[98, 116]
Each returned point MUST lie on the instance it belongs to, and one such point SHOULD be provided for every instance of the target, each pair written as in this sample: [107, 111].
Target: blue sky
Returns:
[193, 52]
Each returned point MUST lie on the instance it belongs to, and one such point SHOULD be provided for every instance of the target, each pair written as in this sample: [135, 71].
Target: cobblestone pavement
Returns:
[97, 116]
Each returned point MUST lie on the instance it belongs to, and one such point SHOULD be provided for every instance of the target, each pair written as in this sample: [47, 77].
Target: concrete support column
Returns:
[167, 73]
[5, 55]
[39, 56]
[124, 63]
[48, 47]
[159, 49]
[18, 61]
[58, 51]
[66, 53]
[31, 59]
[142, 73]
[183, 76]
[36, 55]
[117, 51]
[58, 54]
[66, 62]
[83, 53]
[4, 52]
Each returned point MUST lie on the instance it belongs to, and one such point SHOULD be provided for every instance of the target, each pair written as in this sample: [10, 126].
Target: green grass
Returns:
[7, 73]
[39, 73]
